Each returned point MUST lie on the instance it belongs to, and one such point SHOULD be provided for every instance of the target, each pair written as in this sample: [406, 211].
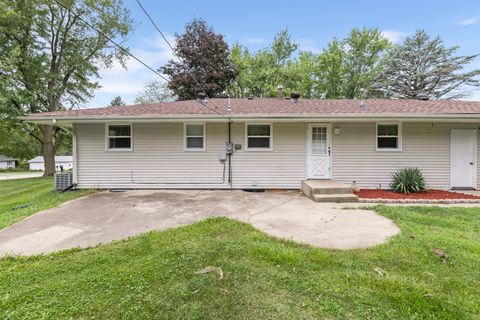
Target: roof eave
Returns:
[58, 120]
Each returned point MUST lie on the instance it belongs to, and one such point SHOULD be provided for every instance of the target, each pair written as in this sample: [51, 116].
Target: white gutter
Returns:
[54, 119]
[68, 121]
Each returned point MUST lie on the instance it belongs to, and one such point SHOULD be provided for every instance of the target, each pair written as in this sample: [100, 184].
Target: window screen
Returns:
[119, 137]
[387, 136]
[258, 136]
[195, 136]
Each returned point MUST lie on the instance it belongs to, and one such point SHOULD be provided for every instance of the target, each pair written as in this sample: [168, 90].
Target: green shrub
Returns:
[408, 180]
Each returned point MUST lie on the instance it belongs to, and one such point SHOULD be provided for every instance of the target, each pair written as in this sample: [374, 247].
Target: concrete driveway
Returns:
[20, 175]
[107, 216]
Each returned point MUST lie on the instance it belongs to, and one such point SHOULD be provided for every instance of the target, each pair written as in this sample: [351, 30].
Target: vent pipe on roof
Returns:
[295, 96]
[202, 98]
[362, 105]
[280, 91]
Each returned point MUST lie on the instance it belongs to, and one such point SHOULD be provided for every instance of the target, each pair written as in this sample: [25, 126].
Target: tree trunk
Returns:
[48, 150]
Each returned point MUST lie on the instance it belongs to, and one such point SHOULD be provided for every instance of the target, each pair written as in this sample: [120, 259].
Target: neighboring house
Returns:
[277, 143]
[65, 162]
[7, 162]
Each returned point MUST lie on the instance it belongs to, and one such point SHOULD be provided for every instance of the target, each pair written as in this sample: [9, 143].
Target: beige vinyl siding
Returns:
[282, 167]
[159, 160]
[158, 157]
[424, 145]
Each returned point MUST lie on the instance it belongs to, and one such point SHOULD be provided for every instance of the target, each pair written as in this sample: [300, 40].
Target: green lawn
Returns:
[37, 193]
[153, 275]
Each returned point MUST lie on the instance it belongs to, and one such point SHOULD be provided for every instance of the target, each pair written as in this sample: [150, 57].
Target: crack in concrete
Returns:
[272, 207]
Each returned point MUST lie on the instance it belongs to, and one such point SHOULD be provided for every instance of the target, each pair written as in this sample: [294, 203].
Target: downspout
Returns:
[74, 154]
[230, 153]
[230, 144]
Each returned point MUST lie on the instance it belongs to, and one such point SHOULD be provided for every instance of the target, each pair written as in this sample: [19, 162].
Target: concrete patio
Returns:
[107, 216]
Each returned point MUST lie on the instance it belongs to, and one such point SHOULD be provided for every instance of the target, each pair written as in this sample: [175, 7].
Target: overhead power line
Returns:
[131, 54]
[112, 41]
[169, 44]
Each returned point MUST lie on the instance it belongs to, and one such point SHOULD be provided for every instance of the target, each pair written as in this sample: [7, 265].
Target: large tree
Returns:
[423, 68]
[203, 62]
[347, 68]
[50, 58]
[260, 73]
[363, 50]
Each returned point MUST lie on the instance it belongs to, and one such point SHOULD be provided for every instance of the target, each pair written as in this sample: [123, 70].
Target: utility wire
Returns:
[168, 43]
[131, 54]
[111, 40]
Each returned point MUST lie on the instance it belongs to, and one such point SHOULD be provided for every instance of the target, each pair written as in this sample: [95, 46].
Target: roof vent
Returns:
[362, 105]
[202, 97]
[250, 97]
[280, 90]
[424, 98]
[295, 96]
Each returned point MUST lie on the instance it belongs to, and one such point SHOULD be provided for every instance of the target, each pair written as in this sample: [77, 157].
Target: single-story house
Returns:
[7, 162]
[61, 163]
[272, 143]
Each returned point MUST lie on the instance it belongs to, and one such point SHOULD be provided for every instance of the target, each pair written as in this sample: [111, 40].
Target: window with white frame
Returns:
[195, 137]
[119, 137]
[259, 136]
[389, 136]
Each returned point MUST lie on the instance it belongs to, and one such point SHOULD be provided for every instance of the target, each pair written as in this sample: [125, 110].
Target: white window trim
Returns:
[204, 148]
[399, 137]
[270, 137]
[107, 138]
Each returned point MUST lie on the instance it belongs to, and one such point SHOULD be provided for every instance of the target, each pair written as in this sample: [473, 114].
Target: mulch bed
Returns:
[429, 194]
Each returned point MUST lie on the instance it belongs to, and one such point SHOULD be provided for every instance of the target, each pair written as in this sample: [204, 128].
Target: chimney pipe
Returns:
[280, 91]
[202, 98]
[295, 96]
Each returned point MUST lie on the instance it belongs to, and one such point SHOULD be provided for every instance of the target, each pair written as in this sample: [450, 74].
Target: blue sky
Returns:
[311, 23]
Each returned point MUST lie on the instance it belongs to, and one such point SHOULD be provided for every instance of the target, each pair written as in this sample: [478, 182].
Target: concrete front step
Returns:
[328, 191]
[311, 187]
[334, 198]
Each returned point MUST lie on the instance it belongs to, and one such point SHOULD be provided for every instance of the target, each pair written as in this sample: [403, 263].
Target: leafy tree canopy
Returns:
[50, 58]
[423, 68]
[204, 63]
[345, 69]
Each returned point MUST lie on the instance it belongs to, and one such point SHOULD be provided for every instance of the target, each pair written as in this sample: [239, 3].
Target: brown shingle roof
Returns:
[276, 108]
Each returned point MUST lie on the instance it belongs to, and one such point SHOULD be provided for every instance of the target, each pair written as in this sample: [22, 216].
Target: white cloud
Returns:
[305, 44]
[470, 21]
[128, 82]
[254, 40]
[394, 36]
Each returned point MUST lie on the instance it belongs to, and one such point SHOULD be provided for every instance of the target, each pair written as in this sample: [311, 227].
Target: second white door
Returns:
[463, 162]
[319, 152]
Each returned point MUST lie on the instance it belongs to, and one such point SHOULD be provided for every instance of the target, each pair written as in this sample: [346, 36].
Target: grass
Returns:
[16, 169]
[37, 193]
[153, 275]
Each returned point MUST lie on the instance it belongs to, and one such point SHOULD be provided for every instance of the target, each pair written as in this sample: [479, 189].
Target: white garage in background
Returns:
[7, 162]
[37, 163]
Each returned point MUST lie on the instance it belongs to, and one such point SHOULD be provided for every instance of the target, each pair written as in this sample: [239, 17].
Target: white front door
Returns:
[318, 151]
[463, 162]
